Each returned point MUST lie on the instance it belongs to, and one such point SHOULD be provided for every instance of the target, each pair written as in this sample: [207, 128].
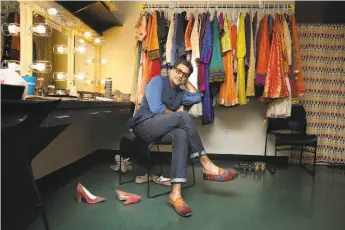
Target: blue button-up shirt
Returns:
[160, 96]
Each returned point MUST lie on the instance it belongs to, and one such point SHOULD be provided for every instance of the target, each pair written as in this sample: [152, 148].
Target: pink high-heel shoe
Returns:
[83, 193]
[128, 197]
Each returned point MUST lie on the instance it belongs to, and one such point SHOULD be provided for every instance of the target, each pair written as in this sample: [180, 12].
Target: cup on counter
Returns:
[31, 80]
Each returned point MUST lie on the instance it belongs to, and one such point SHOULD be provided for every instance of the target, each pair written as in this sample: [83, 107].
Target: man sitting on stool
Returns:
[162, 113]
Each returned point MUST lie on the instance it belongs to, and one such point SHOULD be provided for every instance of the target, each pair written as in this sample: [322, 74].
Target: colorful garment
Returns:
[170, 39]
[195, 40]
[234, 44]
[241, 53]
[227, 93]
[296, 58]
[250, 89]
[275, 84]
[153, 45]
[225, 37]
[263, 47]
[216, 64]
[187, 34]
[140, 27]
[206, 53]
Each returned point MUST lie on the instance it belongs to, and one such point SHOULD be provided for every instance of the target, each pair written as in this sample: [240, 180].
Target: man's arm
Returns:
[153, 94]
[192, 96]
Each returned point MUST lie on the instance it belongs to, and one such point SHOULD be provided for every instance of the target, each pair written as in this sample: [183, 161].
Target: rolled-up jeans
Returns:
[186, 141]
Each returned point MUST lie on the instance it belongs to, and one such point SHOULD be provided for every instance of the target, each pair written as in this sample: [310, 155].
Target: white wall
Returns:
[243, 125]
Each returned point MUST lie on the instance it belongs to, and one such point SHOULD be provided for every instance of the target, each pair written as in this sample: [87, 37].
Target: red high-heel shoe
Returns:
[128, 197]
[83, 193]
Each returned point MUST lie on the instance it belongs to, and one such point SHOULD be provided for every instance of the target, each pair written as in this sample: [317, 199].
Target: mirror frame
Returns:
[27, 8]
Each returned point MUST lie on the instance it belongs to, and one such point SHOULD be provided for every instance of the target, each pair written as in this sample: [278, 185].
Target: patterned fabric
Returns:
[275, 85]
[216, 64]
[195, 40]
[323, 52]
[225, 40]
[180, 207]
[223, 176]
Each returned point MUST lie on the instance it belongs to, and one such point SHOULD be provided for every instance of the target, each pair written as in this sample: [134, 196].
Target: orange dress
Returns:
[263, 47]
[228, 93]
[275, 84]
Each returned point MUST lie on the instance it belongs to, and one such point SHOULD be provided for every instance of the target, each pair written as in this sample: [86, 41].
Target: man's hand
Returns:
[180, 109]
[190, 87]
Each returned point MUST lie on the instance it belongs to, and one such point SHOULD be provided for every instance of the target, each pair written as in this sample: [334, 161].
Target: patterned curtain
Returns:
[323, 59]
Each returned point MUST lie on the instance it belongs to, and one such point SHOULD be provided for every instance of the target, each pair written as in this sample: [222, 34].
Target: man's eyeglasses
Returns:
[179, 71]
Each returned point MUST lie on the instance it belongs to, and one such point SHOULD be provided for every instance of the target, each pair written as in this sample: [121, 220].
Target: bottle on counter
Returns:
[108, 87]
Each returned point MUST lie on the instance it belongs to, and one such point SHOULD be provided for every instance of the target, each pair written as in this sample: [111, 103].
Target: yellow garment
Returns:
[225, 40]
[241, 53]
[250, 91]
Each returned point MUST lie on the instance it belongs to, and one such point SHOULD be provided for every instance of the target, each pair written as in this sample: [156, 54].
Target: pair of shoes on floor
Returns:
[126, 165]
[88, 197]
[256, 166]
[157, 179]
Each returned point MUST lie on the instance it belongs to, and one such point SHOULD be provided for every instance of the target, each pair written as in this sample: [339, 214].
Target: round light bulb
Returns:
[13, 29]
[103, 81]
[41, 29]
[87, 34]
[40, 66]
[52, 11]
[60, 76]
[88, 81]
[104, 61]
[80, 76]
[81, 41]
[81, 49]
[60, 49]
[97, 40]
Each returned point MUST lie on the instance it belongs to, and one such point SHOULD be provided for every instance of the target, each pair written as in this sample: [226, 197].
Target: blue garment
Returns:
[160, 96]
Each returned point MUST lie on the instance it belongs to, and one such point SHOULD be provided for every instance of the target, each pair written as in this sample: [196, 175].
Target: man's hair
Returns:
[186, 63]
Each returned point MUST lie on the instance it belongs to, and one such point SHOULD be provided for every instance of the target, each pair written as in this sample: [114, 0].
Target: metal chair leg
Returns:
[120, 174]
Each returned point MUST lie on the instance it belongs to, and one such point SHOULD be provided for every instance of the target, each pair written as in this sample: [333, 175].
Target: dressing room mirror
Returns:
[84, 65]
[50, 53]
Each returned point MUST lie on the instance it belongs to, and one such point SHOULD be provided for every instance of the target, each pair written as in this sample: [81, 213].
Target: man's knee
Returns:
[183, 115]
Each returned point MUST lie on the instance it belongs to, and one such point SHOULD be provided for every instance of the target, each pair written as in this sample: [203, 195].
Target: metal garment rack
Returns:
[219, 6]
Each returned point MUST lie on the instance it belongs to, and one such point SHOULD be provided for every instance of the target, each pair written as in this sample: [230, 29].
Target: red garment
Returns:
[275, 84]
[155, 68]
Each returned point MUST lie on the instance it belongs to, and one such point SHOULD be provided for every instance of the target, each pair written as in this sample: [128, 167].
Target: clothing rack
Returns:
[219, 6]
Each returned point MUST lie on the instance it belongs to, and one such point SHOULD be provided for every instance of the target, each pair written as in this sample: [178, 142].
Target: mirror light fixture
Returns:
[60, 49]
[88, 61]
[87, 34]
[41, 66]
[81, 75]
[81, 41]
[98, 40]
[11, 64]
[59, 76]
[10, 29]
[89, 82]
[41, 30]
[104, 61]
[79, 49]
[53, 11]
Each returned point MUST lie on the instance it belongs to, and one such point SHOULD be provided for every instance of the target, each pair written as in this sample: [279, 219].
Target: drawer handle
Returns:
[63, 116]
[108, 111]
[124, 110]
[94, 113]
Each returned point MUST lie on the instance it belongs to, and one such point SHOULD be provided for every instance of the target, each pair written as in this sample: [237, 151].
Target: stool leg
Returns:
[193, 172]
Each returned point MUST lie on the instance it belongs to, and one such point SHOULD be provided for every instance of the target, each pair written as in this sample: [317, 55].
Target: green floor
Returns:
[290, 199]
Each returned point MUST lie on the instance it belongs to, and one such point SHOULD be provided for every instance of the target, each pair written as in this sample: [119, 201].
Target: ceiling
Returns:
[95, 14]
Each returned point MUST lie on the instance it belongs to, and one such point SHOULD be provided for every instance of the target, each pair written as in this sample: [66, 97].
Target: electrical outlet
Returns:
[226, 133]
